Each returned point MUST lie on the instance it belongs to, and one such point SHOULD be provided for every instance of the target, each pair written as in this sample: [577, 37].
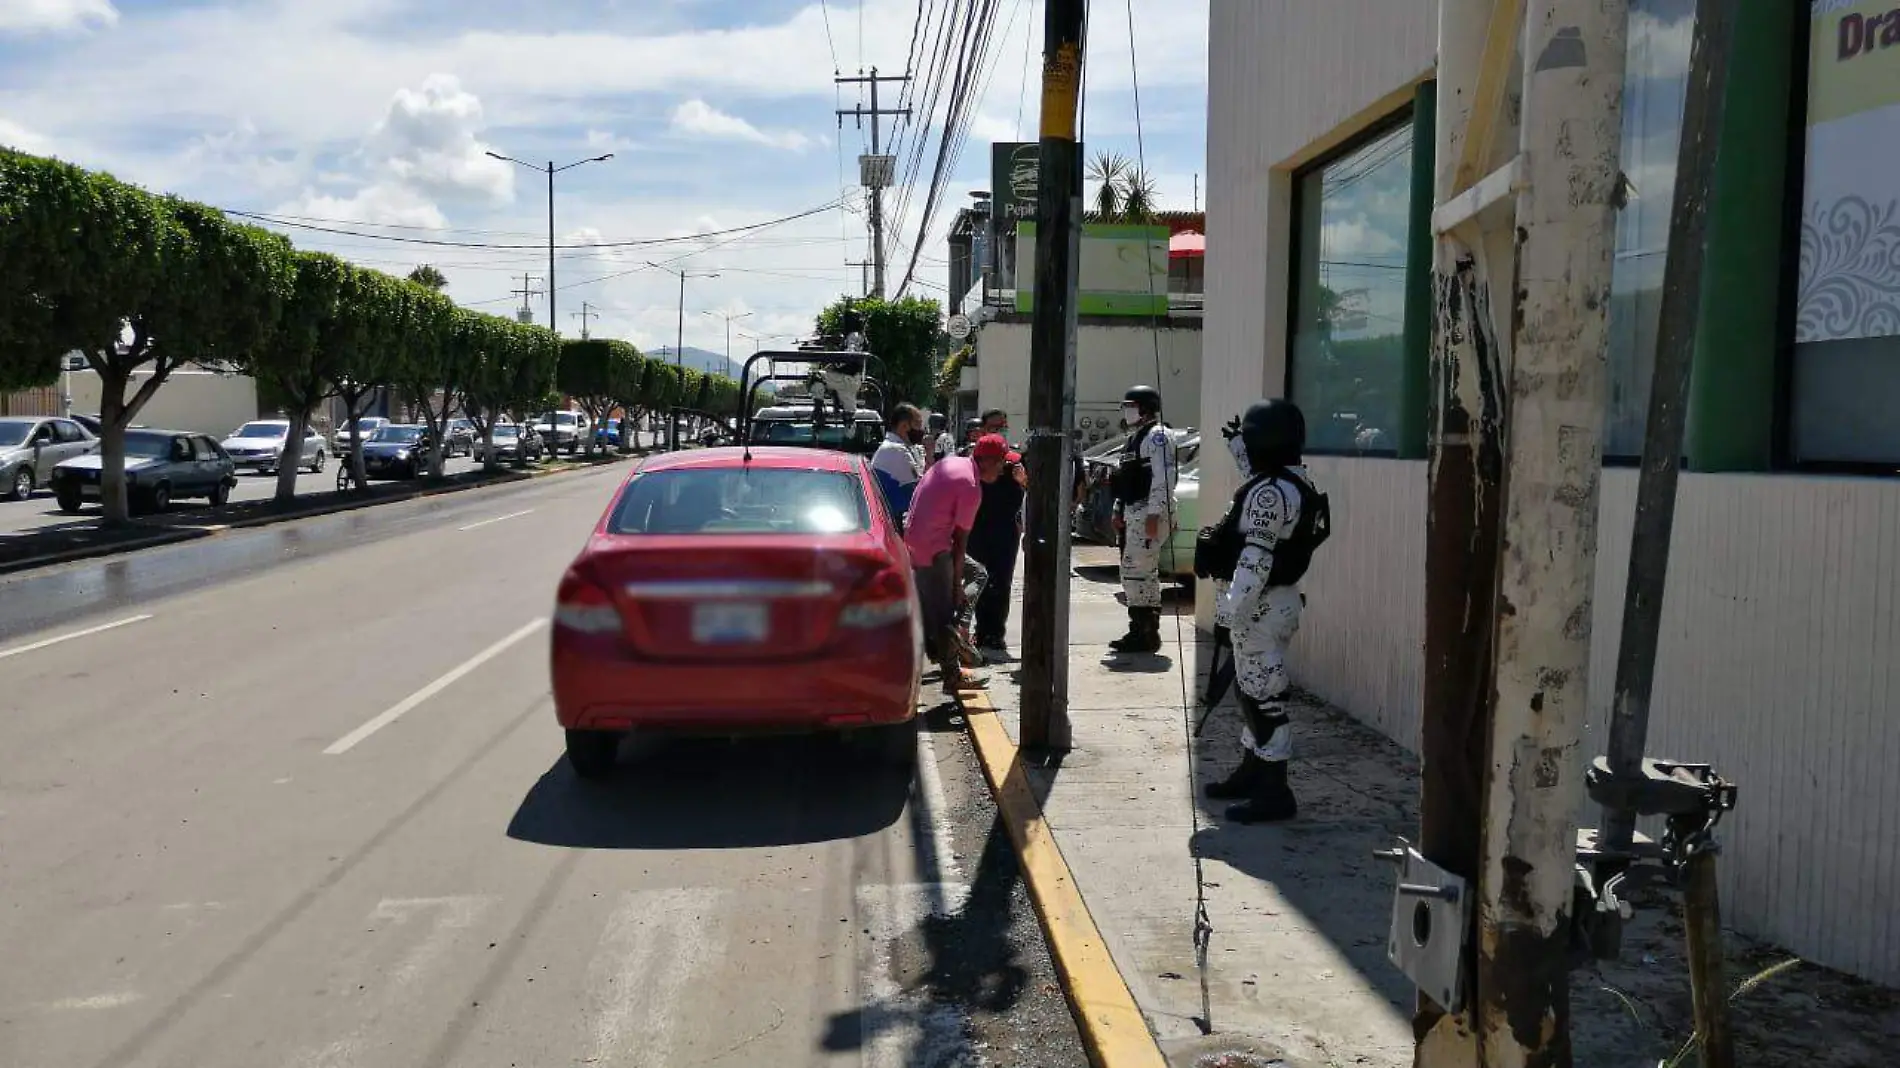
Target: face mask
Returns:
[1131, 415]
[916, 436]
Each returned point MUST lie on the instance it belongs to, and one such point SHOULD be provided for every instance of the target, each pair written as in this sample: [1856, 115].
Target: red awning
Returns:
[1185, 244]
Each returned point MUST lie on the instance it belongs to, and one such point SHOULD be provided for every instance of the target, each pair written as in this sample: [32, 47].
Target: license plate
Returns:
[727, 623]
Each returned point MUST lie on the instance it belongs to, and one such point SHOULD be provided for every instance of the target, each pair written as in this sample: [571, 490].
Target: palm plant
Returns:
[1108, 170]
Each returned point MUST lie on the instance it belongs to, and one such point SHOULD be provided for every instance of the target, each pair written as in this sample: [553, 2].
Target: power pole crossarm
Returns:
[876, 176]
[586, 313]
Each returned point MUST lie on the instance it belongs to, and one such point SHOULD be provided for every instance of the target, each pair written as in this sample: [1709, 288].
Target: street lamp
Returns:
[729, 321]
[679, 339]
[551, 170]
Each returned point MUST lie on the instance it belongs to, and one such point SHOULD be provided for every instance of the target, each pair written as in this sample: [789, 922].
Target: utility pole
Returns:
[679, 341]
[874, 170]
[1045, 712]
[587, 312]
[549, 169]
[864, 272]
[526, 312]
[1523, 215]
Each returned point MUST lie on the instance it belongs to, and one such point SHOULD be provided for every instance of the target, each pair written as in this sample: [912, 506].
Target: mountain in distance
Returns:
[711, 362]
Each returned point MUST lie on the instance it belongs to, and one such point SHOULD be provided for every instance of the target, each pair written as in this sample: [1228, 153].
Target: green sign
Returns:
[1123, 269]
[1013, 169]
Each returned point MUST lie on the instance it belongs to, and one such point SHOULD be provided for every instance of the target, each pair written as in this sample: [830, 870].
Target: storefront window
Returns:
[1348, 340]
[1847, 316]
[1654, 88]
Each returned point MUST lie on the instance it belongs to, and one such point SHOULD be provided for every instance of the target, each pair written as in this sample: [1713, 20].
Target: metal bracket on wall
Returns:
[1431, 912]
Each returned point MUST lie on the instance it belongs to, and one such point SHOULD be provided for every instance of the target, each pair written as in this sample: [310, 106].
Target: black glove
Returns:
[1231, 429]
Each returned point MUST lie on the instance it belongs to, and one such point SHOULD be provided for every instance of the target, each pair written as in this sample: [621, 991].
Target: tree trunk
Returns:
[112, 419]
[290, 461]
[488, 446]
[352, 413]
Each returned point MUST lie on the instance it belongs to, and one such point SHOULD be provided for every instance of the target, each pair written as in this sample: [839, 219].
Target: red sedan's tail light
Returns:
[585, 608]
[883, 601]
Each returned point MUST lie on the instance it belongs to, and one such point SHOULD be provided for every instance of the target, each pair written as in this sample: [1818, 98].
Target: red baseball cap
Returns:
[990, 447]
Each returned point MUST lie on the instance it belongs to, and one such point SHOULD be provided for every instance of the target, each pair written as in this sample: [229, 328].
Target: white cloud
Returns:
[383, 203]
[428, 140]
[13, 135]
[31, 16]
[696, 118]
[1356, 237]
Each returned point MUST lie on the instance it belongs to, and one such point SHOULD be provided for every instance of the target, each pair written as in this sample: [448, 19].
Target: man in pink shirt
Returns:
[937, 530]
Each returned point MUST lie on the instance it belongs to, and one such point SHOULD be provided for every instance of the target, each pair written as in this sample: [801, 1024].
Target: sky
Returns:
[376, 117]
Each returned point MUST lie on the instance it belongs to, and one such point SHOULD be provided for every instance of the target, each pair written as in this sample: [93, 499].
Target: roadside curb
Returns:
[1113, 1031]
[180, 534]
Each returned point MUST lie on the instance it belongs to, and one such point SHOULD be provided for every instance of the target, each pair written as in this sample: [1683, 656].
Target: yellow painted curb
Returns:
[1112, 1028]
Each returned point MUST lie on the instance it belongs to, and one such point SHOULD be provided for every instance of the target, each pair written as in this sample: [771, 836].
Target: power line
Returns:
[825, 10]
[638, 243]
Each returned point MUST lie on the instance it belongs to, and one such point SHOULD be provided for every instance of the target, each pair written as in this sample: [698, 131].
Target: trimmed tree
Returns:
[905, 335]
[593, 371]
[300, 369]
[629, 379]
[433, 366]
[137, 283]
[366, 337]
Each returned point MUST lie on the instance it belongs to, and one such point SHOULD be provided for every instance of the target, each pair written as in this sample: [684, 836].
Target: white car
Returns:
[366, 426]
[259, 445]
[562, 431]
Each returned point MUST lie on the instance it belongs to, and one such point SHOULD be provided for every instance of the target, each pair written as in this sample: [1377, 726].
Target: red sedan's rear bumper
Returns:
[599, 686]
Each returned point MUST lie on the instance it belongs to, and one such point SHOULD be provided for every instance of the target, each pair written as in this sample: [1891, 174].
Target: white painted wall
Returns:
[1780, 653]
[201, 401]
[1109, 359]
[1288, 80]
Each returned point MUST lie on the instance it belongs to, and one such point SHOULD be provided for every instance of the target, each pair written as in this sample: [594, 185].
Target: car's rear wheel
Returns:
[68, 501]
[161, 497]
[220, 494]
[316, 463]
[20, 486]
[592, 753]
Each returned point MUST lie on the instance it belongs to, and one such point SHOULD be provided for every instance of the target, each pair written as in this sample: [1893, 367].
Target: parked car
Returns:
[397, 450]
[31, 446]
[161, 466]
[1177, 556]
[561, 431]
[459, 439]
[1095, 518]
[792, 425]
[727, 595]
[607, 435]
[511, 444]
[93, 424]
[259, 444]
[365, 426]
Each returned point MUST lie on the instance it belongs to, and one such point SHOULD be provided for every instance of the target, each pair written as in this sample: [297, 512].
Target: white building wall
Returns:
[1286, 84]
[201, 401]
[1109, 359]
[1780, 652]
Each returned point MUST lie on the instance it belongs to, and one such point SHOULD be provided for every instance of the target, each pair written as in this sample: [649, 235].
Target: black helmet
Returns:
[938, 421]
[1274, 432]
[1146, 398]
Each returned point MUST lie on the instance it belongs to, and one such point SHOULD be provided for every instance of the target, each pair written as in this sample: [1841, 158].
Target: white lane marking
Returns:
[97, 1001]
[654, 944]
[497, 519]
[100, 629]
[398, 710]
[452, 914]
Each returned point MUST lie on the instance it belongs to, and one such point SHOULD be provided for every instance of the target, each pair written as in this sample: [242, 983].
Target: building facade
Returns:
[1780, 655]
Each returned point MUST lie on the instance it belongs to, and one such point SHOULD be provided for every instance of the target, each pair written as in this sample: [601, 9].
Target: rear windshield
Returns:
[831, 435]
[736, 500]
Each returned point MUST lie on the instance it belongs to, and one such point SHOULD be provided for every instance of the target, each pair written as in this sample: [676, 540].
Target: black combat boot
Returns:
[1240, 783]
[1272, 799]
[1144, 632]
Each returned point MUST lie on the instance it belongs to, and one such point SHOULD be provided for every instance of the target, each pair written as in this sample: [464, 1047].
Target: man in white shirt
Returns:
[898, 461]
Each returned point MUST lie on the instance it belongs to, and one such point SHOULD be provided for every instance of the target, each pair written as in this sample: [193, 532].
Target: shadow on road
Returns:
[714, 794]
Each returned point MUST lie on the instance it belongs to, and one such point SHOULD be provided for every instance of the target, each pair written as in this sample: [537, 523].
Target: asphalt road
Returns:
[295, 796]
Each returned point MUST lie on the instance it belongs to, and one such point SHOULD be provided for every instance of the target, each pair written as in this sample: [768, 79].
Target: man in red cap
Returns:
[994, 541]
[937, 530]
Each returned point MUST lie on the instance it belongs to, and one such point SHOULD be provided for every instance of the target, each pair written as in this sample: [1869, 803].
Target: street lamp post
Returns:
[554, 323]
[679, 340]
[729, 321]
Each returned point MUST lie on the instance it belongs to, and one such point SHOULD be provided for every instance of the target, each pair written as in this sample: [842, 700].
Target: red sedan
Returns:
[727, 592]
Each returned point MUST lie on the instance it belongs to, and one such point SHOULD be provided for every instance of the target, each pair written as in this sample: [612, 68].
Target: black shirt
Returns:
[995, 525]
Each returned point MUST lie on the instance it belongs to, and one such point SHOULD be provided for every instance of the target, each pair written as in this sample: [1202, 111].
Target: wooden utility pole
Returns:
[876, 177]
[864, 273]
[1524, 216]
[1045, 689]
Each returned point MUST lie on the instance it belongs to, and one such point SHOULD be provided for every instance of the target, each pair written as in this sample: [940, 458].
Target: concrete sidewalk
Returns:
[1296, 969]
